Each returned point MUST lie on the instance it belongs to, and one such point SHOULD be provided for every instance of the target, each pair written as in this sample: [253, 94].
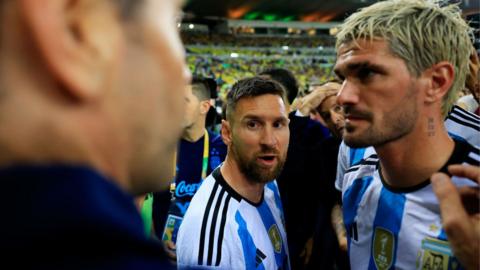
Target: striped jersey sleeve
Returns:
[463, 125]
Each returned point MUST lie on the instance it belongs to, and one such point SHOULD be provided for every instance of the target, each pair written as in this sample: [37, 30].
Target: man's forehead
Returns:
[362, 53]
[260, 106]
[363, 46]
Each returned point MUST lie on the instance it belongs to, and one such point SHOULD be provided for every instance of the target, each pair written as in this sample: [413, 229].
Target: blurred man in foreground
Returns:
[91, 102]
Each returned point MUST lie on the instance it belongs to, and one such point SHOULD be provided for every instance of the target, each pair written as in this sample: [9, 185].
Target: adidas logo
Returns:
[259, 257]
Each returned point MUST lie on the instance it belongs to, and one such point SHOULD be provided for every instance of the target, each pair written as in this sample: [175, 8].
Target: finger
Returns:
[467, 171]
[454, 217]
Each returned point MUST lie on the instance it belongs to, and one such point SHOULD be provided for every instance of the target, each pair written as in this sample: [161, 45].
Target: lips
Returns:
[268, 159]
[354, 114]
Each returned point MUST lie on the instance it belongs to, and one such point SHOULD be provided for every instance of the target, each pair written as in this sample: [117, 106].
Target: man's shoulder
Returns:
[463, 125]
[207, 226]
[212, 194]
[360, 171]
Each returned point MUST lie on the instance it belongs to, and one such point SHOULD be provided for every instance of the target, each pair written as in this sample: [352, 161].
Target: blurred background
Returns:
[231, 39]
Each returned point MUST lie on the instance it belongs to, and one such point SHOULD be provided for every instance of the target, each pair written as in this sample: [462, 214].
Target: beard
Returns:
[255, 172]
[396, 123]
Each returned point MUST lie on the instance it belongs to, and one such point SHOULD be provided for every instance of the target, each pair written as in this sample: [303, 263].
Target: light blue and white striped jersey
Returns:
[223, 230]
[391, 228]
[460, 124]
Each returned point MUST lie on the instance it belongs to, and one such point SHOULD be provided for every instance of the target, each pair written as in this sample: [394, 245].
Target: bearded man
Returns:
[214, 232]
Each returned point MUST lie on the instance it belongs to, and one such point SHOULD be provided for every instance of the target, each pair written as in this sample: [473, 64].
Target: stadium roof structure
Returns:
[290, 10]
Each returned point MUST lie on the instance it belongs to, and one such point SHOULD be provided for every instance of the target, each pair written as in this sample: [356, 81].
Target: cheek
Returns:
[284, 138]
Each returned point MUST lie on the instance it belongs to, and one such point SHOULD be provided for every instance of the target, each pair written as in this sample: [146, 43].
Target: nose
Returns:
[269, 137]
[348, 94]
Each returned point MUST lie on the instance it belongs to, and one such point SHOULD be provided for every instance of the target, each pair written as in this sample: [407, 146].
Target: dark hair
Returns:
[201, 88]
[286, 78]
[252, 87]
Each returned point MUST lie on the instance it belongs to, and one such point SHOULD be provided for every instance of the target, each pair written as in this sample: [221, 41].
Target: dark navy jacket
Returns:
[64, 217]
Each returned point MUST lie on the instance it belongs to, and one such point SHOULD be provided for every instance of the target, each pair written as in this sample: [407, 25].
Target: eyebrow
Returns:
[353, 67]
[257, 118]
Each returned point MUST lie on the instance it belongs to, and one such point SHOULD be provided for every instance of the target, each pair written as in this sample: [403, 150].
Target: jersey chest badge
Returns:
[275, 238]
[436, 255]
[383, 248]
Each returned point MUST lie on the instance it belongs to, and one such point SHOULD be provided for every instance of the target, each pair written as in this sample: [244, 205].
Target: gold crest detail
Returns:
[275, 238]
[383, 248]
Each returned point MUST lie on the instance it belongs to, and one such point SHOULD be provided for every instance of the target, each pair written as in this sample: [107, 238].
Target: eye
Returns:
[338, 109]
[365, 73]
[252, 124]
[278, 124]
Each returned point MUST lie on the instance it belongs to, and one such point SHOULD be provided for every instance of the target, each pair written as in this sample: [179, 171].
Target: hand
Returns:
[461, 225]
[170, 249]
[311, 101]
[307, 251]
[339, 227]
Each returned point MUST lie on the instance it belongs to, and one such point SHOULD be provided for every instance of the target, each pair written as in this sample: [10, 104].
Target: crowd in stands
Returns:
[231, 57]
[226, 70]
[192, 38]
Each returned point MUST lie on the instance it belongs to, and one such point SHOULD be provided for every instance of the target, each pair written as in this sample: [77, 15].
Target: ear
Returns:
[77, 39]
[440, 77]
[205, 106]
[226, 132]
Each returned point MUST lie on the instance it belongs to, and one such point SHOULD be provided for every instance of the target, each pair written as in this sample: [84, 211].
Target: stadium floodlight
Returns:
[285, 48]
[234, 55]
[191, 26]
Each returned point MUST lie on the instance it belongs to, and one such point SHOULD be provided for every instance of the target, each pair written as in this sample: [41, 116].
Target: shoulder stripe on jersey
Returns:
[204, 223]
[472, 161]
[464, 123]
[222, 229]
[213, 225]
[475, 156]
[461, 113]
[352, 169]
[362, 163]
[356, 155]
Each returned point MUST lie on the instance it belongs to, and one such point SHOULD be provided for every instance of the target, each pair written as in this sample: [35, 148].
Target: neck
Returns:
[236, 179]
[412, 159]
[194, 132]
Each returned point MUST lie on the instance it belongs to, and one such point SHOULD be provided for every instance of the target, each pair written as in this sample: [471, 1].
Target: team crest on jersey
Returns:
[436, 255]
[275, 238]
[383, 248]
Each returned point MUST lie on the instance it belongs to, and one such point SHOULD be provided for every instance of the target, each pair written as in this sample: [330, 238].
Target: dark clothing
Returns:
[299, 184]
[66, 217]
[188, 178]
[326, 253]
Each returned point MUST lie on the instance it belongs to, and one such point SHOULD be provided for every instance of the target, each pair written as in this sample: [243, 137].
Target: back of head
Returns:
[421, 32]
[201, 88]
[251, 87]
[286, 78]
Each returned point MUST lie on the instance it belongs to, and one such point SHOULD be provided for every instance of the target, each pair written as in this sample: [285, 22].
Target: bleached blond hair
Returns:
[421, 32]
